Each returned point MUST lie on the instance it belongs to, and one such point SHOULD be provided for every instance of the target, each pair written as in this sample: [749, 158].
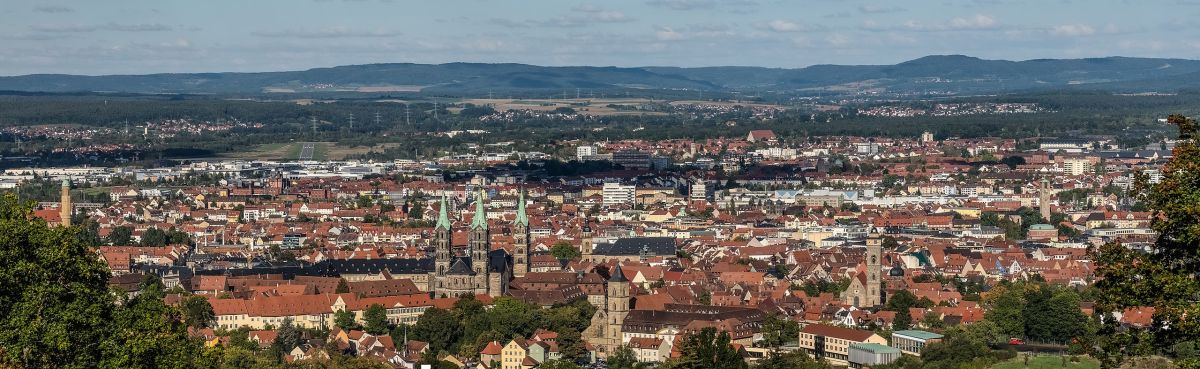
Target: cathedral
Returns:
[479, 270]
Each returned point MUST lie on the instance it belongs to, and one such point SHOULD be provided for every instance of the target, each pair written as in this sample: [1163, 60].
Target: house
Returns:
[833, 343]
[515, 355]
[763, 135]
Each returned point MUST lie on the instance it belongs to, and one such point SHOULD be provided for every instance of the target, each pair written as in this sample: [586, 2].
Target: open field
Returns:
[304, 151]
[1048, 362]
[598, 107]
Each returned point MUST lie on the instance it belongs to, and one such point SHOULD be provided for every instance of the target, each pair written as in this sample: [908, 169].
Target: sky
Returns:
[96, 37]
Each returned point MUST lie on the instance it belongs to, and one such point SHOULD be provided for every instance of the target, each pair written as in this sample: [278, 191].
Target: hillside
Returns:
[943, 74]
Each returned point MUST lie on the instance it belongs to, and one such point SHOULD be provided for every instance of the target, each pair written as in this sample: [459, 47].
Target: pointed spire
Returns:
[480, 218]
[522, 219]
[617, 275]
[443, 221]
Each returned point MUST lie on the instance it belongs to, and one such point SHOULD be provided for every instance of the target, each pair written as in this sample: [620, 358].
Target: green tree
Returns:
[197, 312]
[146, 333]
[791, 360]
[623, 358]
[778, 332]
[120, 236]
[344, 319]
[375, 319]
[342, 286]
[570, 345]
[903, 320]
[439, 327]
[1007, 310]
[1164, 278]
[287, 337]
[564, 250]
[154, 237]
[559, 364]
[901, 300]
[957, 350]
[53, 293]
[708, 349]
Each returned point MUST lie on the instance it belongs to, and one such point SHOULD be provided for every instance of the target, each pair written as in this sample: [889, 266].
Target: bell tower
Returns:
[521, 239]
[617, 306]
[874, 283]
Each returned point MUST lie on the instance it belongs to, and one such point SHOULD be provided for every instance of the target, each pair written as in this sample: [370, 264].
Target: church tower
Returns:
[617, 305]
[65, 207]
[521, 239]
[441, 239]
[586, 235]
[874, 283]
[479, 243]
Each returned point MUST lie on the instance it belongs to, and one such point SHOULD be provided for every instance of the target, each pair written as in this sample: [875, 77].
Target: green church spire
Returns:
[443, 221]
[522, 219]
[480, 218]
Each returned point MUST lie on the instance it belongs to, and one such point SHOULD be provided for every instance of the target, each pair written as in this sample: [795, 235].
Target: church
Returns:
[605, 329]
[866, 289]
[479, 270]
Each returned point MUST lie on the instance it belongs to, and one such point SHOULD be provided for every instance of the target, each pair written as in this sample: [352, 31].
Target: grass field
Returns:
[598, 107]
[291, 151]
[1048, 362]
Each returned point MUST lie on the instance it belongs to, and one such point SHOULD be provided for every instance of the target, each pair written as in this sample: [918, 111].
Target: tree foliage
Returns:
[375, 319]
[1166, 279]
[707, 349]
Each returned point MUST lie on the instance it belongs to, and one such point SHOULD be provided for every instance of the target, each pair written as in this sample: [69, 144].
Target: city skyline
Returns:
[137, 37]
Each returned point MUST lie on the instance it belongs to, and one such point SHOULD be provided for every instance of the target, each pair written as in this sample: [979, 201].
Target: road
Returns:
[306, 151]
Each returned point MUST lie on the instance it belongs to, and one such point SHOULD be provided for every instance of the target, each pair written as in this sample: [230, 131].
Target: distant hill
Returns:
[948, 74]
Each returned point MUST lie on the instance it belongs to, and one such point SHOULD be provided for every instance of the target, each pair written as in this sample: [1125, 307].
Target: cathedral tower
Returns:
[441, 239]
[479, 241]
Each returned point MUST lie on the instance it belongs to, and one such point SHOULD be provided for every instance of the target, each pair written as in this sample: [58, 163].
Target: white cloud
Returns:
[976, 22]
[52, 9]
[682, 4]
[784, 26]
[1072, 30]
[116, 27]
[667, 34]
[979, 21]
[876, 9]
[330, 32]
[584, 15]
[780, 25]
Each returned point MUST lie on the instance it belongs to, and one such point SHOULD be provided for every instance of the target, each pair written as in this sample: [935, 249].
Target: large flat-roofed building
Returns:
[913, 341]
[872, 354]
[631, 159]
[833, 343]
[633, 249]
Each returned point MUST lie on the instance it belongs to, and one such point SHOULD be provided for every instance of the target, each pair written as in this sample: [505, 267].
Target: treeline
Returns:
[405, 127]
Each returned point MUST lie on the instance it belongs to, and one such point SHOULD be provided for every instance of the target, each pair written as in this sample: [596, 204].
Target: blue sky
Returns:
[146, 36]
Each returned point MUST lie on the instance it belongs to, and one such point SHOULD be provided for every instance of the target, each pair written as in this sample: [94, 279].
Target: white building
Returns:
[615, 193]
[1077, 166]
[582, 152]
